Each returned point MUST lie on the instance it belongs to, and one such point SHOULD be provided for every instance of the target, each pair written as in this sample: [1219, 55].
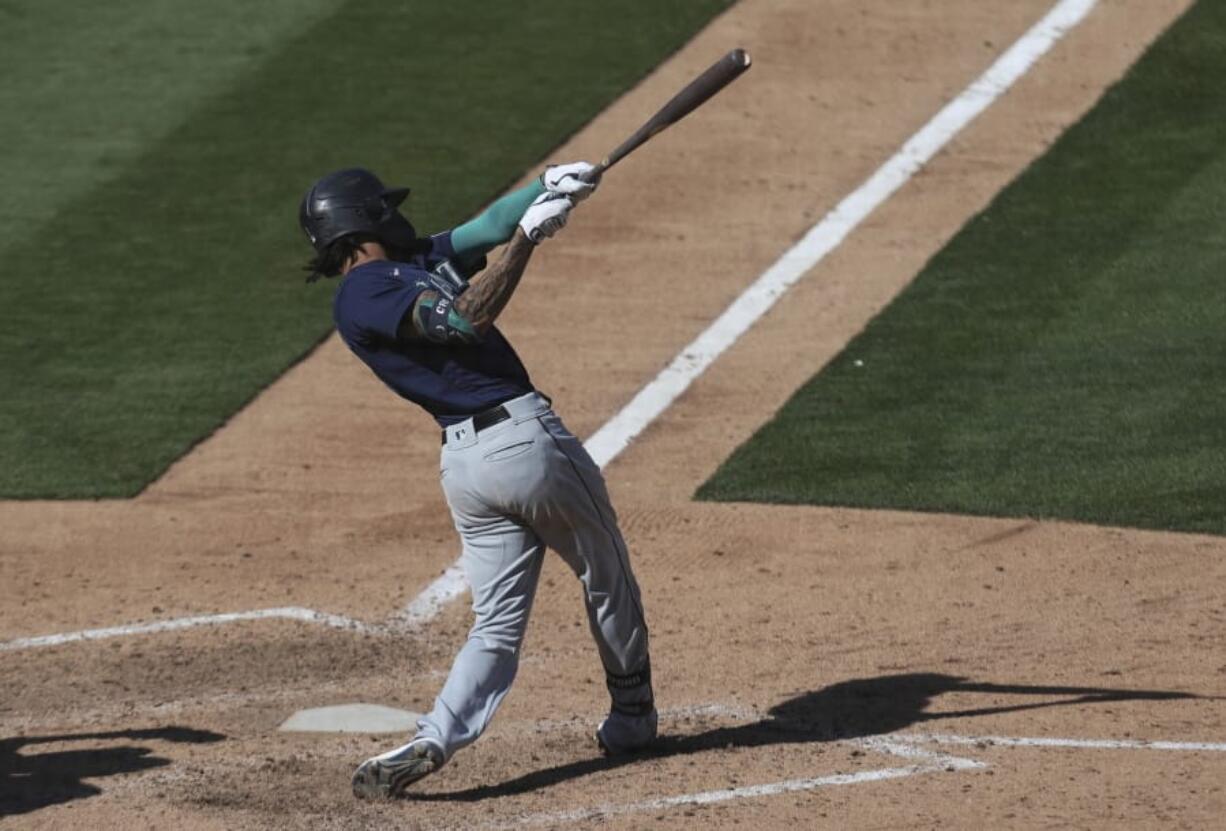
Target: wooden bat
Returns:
[719, 75]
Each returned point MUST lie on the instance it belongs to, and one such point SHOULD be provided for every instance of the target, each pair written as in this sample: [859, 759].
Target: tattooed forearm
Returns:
[488, 294]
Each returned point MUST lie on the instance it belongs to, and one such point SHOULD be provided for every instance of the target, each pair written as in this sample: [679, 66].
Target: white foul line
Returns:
[653, 399]
[827, 234]
[427, 605]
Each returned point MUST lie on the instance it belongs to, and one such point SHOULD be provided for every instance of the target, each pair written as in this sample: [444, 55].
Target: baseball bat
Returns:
[719, 75]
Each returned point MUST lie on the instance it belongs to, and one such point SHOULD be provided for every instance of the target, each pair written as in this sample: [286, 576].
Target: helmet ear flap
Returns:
[377, 210]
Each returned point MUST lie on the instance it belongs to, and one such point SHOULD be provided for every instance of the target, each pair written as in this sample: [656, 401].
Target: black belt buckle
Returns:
[486, 419]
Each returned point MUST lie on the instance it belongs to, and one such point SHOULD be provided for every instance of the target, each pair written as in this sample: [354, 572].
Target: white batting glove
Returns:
[546, 216]
[571, 180]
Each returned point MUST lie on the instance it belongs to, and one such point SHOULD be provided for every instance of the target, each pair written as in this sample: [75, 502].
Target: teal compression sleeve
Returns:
[496, 224]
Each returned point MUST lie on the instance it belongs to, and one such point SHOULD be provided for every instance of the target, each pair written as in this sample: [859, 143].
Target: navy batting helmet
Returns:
[354, 201]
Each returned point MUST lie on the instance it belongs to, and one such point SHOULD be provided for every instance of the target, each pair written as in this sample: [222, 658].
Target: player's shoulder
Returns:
[377, 285]
[380, 275]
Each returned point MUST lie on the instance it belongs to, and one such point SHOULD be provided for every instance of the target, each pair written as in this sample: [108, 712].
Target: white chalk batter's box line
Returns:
[657, 396]
[907, 746]
[739, 713]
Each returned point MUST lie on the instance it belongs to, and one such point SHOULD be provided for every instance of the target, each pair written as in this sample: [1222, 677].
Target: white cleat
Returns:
[620, 734]
[387, 775]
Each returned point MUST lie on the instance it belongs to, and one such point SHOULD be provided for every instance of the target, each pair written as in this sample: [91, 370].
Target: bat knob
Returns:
[595, 173]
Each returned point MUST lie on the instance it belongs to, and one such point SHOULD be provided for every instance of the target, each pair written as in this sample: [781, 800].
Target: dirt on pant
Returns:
[814, 667]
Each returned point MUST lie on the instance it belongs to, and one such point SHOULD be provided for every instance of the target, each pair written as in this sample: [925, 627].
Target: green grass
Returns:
[1065, 355]
[154, 161]
[85, 88]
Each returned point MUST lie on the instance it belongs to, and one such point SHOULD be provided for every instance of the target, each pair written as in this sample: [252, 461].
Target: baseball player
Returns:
[420, 312]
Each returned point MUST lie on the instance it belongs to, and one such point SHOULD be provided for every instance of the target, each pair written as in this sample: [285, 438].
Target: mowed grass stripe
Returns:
[155, 305]
[86, 87]
[1063, 355]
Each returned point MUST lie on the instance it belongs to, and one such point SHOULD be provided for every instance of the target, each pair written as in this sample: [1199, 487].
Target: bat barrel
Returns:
[716, 77]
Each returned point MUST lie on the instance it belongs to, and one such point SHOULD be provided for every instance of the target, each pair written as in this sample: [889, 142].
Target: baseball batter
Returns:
[420, 312]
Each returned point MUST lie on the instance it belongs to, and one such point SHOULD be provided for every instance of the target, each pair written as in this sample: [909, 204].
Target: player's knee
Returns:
[504, 645]
[501, 628]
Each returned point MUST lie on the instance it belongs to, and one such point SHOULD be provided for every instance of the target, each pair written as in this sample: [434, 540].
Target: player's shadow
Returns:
[847, 710]
[30, 781]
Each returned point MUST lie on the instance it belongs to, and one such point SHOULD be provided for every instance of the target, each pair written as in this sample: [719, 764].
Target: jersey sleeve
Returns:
[371, 307]
[442, 246]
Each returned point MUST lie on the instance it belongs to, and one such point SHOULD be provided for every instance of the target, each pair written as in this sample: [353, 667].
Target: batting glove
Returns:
[577, 180]
[546, 216]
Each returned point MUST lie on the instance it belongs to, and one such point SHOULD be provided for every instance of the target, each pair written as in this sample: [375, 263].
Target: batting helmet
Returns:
[354, 201]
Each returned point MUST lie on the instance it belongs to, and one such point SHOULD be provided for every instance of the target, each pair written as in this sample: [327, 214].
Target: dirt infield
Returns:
[815, 667]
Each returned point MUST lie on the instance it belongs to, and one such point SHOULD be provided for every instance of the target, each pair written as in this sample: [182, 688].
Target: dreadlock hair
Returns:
[335, 256]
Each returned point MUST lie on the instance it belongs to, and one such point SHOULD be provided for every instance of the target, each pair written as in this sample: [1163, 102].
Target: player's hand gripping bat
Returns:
[719, 75]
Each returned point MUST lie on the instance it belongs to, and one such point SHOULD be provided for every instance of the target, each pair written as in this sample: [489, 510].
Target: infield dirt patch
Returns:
[781, 635]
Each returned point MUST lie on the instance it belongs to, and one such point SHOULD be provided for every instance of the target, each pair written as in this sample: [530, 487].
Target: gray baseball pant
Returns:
[514, 489]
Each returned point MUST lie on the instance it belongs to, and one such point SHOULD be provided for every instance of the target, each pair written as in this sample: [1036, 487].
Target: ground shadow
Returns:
[850, 709]
[29, 782]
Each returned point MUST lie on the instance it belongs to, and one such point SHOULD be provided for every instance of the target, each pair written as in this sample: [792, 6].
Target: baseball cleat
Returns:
[620, 734]
[387, 775]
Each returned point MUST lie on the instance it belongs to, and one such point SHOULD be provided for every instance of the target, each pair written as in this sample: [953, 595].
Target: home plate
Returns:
[351, 718]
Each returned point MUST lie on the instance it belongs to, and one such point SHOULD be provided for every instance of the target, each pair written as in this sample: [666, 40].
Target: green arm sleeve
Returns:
[496, 224]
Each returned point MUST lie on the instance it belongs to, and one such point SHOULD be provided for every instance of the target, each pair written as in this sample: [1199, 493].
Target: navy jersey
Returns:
[453, 381]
